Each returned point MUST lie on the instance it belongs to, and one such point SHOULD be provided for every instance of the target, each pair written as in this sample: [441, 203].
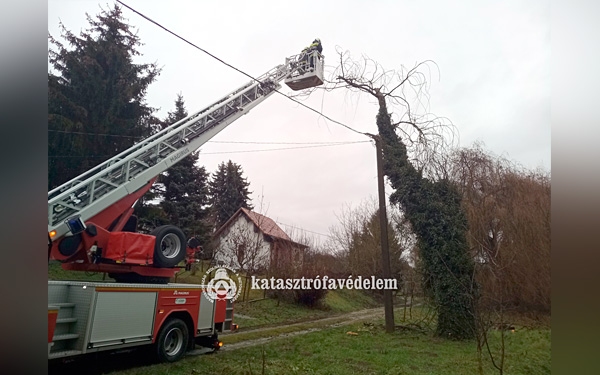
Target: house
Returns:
[254, 242]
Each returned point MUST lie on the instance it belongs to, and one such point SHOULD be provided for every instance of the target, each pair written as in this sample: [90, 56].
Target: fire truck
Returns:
[91, 227]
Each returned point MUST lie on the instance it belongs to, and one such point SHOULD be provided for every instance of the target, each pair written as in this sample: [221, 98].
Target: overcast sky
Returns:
[494, 84]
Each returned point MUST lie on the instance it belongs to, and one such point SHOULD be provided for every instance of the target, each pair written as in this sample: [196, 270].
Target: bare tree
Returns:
[358, 238]
[304, 258]
[413, 141]
[350, 222]
[246, 248]
[508, 209]
[405, 93]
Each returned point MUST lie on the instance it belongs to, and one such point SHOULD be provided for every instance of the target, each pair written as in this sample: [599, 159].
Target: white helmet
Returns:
[221, 274]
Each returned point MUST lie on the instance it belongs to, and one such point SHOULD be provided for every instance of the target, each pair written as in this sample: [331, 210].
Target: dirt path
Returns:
[313, 326]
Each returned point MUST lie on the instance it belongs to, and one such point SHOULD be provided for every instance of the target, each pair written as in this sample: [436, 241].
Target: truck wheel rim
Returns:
[170, 245]
[173, 342]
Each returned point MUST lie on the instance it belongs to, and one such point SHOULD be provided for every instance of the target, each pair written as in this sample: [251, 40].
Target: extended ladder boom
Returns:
[99, 188]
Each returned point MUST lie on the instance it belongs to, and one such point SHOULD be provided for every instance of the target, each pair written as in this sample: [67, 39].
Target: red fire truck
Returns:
[91, 228]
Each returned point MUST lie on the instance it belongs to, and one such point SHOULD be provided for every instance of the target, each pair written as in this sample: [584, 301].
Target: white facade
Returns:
[242, 246]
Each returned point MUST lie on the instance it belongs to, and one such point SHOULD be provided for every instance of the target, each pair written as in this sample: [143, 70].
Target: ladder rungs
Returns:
[66, 336]
[64, 304]
[66, 320]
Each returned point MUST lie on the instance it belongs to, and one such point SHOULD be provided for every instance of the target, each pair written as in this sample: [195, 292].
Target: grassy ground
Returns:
[257, 311]
[345, 300]
[56, 272]
[266, 312]
[367, 350]
[333, 351]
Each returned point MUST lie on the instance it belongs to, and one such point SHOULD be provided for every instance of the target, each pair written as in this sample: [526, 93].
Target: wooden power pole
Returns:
[385, 248]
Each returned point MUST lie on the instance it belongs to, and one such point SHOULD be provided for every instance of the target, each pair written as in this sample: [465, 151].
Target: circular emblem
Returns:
[225, 285]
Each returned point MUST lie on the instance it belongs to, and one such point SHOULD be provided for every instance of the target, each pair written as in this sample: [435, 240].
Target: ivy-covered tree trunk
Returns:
[433, 208]
[435, 213]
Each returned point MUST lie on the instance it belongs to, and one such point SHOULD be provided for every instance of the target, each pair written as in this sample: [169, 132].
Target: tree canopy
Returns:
[185, 188]
[96, 95]
[508, 209]
[228, 192]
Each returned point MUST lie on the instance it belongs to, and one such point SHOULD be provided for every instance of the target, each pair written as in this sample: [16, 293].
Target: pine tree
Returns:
[96, 105]
[185, 188]
[228, 192]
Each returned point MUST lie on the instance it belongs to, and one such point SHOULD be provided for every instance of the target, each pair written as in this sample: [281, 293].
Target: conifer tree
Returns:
[228, 192]
[96, 105]
[185, 188]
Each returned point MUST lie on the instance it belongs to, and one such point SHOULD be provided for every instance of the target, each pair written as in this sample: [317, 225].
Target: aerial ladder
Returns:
[91, 226]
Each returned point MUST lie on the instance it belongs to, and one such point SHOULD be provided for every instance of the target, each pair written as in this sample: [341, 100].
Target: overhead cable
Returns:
[238, 70]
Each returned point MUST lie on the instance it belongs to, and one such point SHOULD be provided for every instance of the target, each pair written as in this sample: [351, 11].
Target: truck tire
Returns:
[169, 248]
[172, 340]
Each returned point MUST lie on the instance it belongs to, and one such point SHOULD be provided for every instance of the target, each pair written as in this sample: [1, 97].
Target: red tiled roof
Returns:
[266, 225]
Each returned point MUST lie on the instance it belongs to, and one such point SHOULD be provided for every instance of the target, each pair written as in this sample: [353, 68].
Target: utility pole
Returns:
[385, 247]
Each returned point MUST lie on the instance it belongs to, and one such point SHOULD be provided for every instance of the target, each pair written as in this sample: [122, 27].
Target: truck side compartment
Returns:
[86, 317]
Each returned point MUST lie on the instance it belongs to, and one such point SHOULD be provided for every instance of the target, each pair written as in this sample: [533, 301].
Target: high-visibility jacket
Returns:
[317, 46]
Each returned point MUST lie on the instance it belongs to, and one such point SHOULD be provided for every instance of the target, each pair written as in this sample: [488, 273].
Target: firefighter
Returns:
[315, 46]
[193, 252]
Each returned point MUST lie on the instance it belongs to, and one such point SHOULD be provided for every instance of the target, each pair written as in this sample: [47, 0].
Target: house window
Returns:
[240, 252]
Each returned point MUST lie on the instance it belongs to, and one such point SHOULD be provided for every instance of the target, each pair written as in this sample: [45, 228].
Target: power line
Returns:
[232, 152]
[94, 134]
[238, 70]
[286, 143]
[79, 156]
[281, 149]
[306, 230]
[210, 141]
[287, 225]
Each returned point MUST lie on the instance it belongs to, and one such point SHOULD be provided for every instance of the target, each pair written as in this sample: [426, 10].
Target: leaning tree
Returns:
[413, 139]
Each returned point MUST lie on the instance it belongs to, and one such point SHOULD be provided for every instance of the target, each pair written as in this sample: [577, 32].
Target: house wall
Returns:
[242, 232]
[285, 254]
